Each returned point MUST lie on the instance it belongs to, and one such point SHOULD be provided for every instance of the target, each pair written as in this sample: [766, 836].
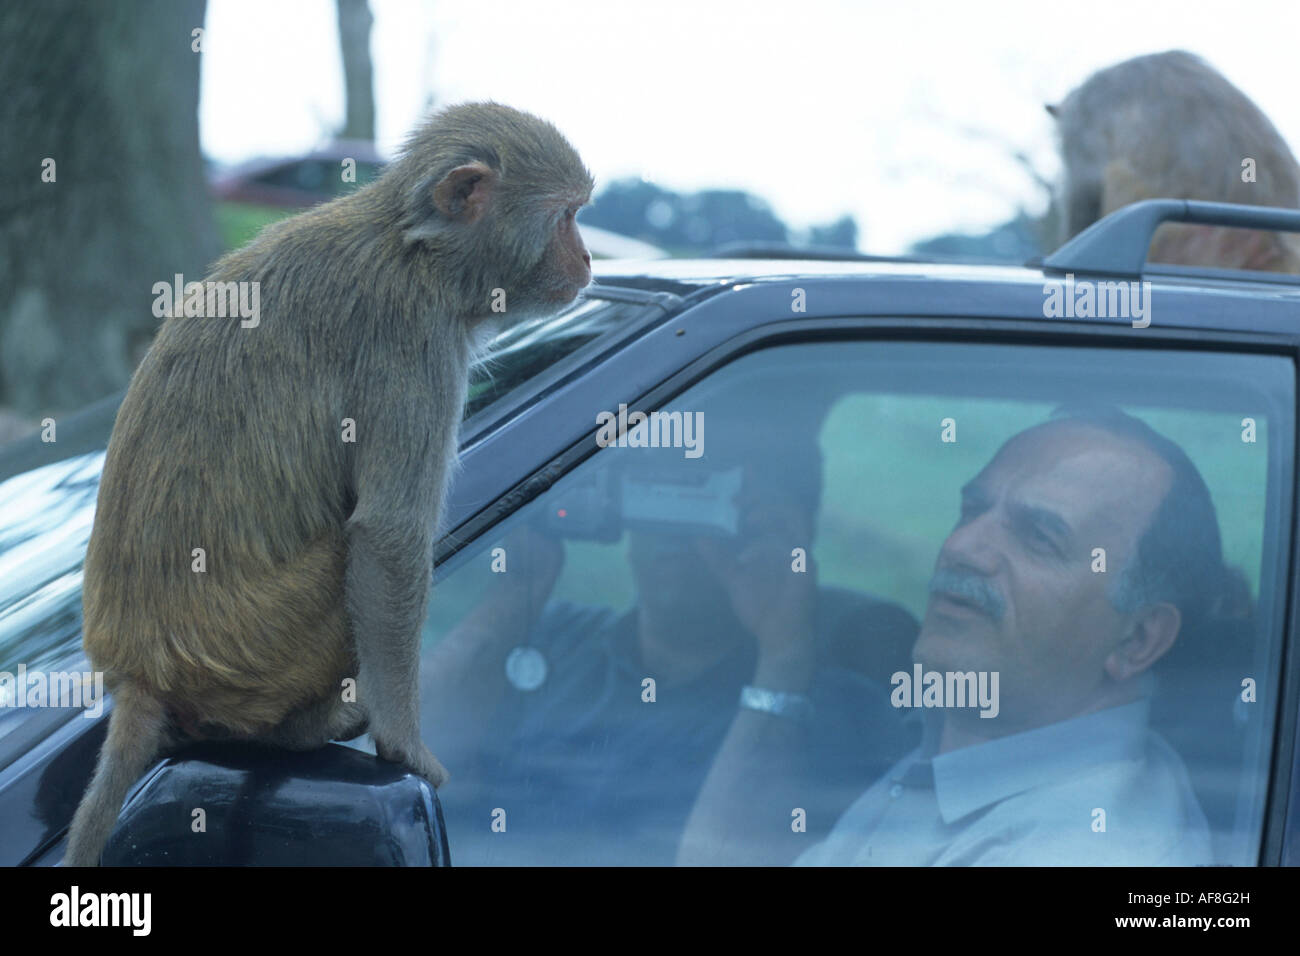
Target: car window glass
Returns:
[584, 661]
[532, 348]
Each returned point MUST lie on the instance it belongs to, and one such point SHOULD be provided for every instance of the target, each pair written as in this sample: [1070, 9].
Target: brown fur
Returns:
[1168, 126]
[318, 552]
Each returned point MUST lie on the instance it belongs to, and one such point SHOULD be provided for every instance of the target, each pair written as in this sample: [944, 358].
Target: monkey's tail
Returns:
[137, 729]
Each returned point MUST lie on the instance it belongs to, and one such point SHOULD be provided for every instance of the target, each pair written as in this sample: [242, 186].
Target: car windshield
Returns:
[45, 519]
[551, 345]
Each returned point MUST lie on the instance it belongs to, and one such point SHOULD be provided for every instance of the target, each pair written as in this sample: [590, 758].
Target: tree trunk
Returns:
[358, 74]
[109, 92]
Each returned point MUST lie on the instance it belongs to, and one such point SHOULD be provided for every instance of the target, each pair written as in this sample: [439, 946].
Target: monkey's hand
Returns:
[417, 758]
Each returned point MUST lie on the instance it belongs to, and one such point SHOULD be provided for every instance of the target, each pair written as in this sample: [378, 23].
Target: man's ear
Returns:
[1152, 634]
[464, 193]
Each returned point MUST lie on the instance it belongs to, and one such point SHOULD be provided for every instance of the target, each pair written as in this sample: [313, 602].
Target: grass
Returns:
[238, 223]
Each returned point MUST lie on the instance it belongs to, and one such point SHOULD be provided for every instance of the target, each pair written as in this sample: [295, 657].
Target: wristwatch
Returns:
[795, 706]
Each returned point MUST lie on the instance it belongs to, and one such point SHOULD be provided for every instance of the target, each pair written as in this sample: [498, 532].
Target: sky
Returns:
[906, 115]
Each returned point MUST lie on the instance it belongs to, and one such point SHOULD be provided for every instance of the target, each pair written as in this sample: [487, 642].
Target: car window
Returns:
[305, 175]
[1012, 605]
[318, 176]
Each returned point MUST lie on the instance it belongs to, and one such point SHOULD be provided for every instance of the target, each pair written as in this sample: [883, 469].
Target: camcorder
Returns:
[686, 502]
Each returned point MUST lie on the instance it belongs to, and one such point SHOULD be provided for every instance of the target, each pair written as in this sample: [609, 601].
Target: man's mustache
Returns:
[969, 586]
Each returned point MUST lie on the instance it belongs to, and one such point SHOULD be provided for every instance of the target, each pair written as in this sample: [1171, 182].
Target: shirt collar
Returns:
[974, 777]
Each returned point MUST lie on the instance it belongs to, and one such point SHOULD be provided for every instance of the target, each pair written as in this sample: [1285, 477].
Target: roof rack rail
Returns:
[760, 249]
[1118, 244]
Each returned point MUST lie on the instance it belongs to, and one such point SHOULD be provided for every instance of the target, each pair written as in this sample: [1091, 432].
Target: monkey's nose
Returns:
[586, 257]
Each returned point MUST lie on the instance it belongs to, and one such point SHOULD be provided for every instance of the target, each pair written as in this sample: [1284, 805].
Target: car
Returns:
[252, 194]
[599, 622]
[297, 182]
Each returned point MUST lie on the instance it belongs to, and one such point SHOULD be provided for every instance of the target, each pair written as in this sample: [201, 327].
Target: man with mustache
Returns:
[1068, 771]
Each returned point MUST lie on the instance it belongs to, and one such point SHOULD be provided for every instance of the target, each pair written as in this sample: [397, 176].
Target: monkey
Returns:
[1167, 125]
[271, 491]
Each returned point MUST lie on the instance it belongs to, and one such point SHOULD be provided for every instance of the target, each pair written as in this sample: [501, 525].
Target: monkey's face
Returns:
[1014, 589]
[503, 221]
[564, 269]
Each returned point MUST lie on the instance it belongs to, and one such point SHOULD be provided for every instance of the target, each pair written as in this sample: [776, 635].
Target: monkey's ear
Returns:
[463, 194]
[1053, 110]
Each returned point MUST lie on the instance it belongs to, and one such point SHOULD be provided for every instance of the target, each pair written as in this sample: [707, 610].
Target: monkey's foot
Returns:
[417, 758]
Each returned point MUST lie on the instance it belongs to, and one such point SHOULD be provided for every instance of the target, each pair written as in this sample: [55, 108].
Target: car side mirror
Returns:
[245, 804]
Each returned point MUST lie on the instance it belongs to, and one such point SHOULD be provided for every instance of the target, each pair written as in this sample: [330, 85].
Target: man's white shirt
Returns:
[1041, 797]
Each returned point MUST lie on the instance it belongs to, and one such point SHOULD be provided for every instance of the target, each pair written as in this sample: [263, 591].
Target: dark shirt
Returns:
[587, 772]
